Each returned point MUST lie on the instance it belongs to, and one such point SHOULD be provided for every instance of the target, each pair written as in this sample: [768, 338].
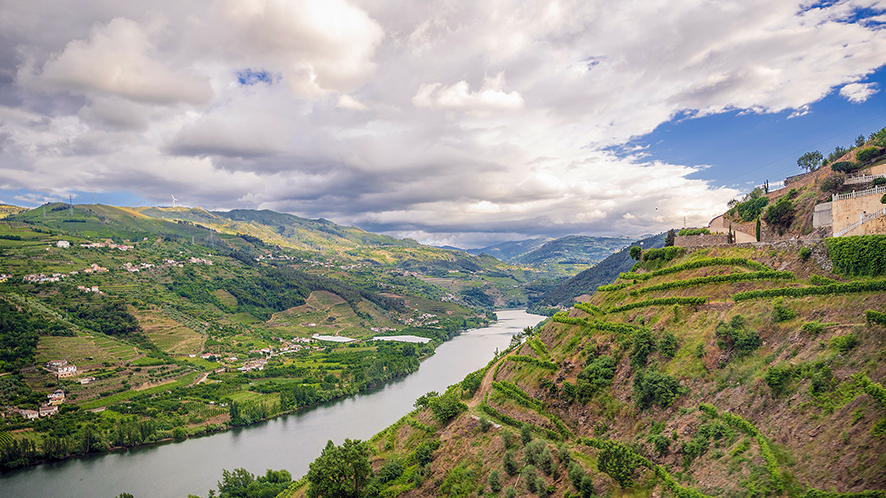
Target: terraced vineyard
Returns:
[669, 382]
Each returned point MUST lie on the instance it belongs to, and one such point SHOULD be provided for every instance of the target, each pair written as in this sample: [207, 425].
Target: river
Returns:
[290, 442]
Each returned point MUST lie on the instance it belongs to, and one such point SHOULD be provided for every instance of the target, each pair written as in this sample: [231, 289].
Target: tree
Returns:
[832, 183]
[757, 229]
[860, 140]
[636, 253]
[670, 237]
[340, 471]
[810, 161]
[869, 154]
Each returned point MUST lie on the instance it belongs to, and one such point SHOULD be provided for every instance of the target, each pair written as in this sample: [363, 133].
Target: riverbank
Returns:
[290, 441]
[183, 409]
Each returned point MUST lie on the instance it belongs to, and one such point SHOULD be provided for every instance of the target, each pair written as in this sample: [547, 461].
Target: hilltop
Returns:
[720, 371]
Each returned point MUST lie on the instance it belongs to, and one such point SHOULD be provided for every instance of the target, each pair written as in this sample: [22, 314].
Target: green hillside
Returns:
[725, 371]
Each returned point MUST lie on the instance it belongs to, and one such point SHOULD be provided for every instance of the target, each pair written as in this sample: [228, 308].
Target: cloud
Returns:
[116, 60]
[458, 96]
[322, 45]
[858, 92]
[457, 121]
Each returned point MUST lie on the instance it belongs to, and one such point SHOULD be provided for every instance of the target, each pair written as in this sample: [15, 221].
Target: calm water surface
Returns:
[291, 442]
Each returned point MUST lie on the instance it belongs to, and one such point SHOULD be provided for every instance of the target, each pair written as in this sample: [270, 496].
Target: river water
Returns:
[291, 442]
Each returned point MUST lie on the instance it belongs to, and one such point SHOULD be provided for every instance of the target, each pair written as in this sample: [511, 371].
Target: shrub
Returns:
[494, 481]
[845, 166]
[485, 424]
[667, 344]
[665, 253]
[832, 183]
[805, 253]
[587, 486]
[390, 471]
[596, 376]
[777, 378]
[654, 387]
[510, 463]
[693, 231]
[875, 317]
[781, 313]
[780, 214]
[576, 472]
[750, 209]
[644, 345]
[813, 328]
[532, 452]
[735, 334]
[883, 199]
[868, 154]
[507, 438]
[446, 407]
[526, 433]
[530, 475]
[876, 182]
[661, 443]
[636, 252]
[844, 343]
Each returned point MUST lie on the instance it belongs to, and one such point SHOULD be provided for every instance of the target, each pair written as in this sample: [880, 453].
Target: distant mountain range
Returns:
[572, 249]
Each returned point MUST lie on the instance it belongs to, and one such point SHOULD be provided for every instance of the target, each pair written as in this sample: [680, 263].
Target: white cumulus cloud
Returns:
[858, 92]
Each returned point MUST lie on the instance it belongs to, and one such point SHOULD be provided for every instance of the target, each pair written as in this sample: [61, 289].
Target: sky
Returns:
[454, 122]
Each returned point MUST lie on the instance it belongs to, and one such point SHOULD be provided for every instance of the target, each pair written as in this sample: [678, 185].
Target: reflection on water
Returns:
[290, 442]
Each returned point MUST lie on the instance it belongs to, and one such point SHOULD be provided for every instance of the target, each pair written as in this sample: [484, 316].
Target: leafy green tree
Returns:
[868, 154]
[575, 475]
[494, 481]
[510, 463]
[810, 161]
[670, 238]
[446, 407]
[587, 486]
[636, 253]
[619, 463]
[654, 387]
[340, 471]
[860, 140]
[526, 433]
[780, 214]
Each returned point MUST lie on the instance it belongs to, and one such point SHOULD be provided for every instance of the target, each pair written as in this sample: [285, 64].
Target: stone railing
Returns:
[866, 218]
[861, 193]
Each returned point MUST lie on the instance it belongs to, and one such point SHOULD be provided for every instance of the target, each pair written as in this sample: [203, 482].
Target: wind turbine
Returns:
[173, 200]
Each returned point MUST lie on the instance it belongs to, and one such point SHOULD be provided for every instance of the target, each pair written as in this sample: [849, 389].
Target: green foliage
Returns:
[589, 308]
[392, 469]
[424, 454]
[810, 161]
[667, 344]
[596, 376]
[858, 255]
[819, 280]
[875, 317]
[525, 433]
[844, 343]
[446, 406]
[576, 473]
[494, 481]
[472, 381]
[644, 344]
[757, 229]
[654, 387]
[693, 231]
[735, 334]
[824, 290]
[618, 462]
[664, 253]
[845, 166]
[750, 209]
[883, 199]
[692, 265]
[832, 184]
[636, 253]
[781, 313]
[485, 424]
[340, 471]
[714, 430]
[510, 463]
[670, 237]
[716, 279]
[868, 154]
[538, 347]
[817, 493]
[813, 328]
[460, 481]
[777, 378]
[780, 214]
[611, 288]
[662, 301]
[532, 361]
[587, 486]
[660, 443]
[876, 182]
[805, 253]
